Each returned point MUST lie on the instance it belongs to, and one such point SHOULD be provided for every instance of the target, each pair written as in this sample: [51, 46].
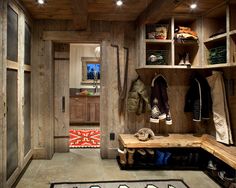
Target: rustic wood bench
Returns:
[225, 153]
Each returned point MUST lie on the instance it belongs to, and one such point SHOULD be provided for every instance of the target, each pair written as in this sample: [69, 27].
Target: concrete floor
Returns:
[86, 165]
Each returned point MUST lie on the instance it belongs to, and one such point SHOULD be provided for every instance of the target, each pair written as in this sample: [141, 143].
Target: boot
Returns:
[141, 156]
[131, 156]
[159, 158]
[168, 119]
[187, 62]
[181, 61]
[122, 155]
[150, 155]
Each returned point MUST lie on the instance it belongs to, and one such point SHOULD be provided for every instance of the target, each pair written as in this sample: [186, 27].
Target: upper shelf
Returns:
[158, 41]
[216, 38]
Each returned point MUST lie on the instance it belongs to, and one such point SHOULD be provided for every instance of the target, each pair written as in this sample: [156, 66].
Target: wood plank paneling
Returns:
[61, 98]
[98, 10]
[1, 93]
[80, 14]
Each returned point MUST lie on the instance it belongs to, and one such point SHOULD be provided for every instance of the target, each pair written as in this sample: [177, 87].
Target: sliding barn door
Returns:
[61, 97]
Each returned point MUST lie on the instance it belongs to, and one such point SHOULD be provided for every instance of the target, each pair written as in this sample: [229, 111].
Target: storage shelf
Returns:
[156, 66]
[216, 38]
[168, 67]
[220, 65]
[158, 41]
[190, 43]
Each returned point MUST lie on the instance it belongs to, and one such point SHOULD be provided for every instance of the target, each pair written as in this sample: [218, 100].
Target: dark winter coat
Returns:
[198, 99]
[138, 99]
[159, 91]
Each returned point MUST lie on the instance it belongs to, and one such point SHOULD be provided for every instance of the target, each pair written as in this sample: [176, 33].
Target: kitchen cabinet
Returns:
[84, 109]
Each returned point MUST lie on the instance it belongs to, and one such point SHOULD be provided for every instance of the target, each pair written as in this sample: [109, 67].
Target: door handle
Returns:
[63, 103]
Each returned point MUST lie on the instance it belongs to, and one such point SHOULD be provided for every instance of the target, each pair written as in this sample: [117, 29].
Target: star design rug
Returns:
[124, 184]
[84, 138]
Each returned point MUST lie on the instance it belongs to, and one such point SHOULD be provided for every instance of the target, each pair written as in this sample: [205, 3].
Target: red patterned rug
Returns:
[84, 138]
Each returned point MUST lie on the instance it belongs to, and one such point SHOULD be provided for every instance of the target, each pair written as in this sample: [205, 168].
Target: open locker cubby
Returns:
[188, 46]
[152, 30]
[216, 51]
[158, 53]
[221, 173]
[214, 23]
[178, 159]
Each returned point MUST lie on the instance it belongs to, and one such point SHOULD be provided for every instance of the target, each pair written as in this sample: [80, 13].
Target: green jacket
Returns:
[138, 99]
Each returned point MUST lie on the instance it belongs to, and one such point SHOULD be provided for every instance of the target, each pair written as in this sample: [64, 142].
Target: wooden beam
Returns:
[75, 36]
[156, 10]
[80, 14]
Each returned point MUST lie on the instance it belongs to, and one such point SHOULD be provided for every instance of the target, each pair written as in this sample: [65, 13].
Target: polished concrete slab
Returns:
[86, 165]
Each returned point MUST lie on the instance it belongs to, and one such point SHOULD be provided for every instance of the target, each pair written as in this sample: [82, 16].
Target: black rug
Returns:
[173, 183]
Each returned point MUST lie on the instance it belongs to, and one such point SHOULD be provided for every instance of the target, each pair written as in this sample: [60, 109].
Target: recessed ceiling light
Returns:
[193, 6]
[41, 2]
[119, 3]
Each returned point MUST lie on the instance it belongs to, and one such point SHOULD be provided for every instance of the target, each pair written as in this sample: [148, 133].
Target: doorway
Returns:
[84, 85]
[77, 96]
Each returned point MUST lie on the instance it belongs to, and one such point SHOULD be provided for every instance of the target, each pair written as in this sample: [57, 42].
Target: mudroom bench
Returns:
[180, 152]
[227, 154]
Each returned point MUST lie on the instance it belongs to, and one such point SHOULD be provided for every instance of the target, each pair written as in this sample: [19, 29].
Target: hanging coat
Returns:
[220, 108]
[198, 98]
[159, 91]
[138, 99]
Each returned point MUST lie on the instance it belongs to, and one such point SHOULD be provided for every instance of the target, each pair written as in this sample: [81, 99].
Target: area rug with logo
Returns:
[84, 138]
[124, 184]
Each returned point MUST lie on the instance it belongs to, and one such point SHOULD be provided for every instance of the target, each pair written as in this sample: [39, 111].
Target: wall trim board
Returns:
[2, 108]
[27, 158]
[75, 36]
[103, 97]
[40, 153]
[13, 177]
[49, 106]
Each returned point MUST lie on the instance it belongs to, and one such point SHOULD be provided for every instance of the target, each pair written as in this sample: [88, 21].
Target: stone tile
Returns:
[86, 165]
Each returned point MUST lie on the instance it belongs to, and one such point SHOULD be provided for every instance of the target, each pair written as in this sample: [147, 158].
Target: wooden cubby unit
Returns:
[165, 22]
[216, 30]
[188, 47]
[213, 44]
[161, 48]
[215, 22]
[215, 36]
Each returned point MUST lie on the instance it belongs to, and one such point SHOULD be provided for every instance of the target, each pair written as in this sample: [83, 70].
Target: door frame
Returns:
[102, 38]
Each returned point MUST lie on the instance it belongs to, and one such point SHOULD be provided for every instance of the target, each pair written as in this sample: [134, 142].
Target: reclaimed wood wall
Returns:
[1, 93]
[8, 177]
[122, 34]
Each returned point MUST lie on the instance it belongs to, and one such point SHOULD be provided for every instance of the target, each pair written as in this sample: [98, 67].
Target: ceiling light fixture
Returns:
[193, 6]
[119, 3]
[41, 2]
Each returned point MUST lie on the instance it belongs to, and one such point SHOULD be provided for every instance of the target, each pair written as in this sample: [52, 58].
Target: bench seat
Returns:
[225, 153]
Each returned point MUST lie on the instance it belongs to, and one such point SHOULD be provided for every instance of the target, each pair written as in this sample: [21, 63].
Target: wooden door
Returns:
[61, 97]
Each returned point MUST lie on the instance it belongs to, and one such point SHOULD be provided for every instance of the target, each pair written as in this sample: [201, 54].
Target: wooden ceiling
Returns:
[97, 9]
[202, 6]
[108, 11]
